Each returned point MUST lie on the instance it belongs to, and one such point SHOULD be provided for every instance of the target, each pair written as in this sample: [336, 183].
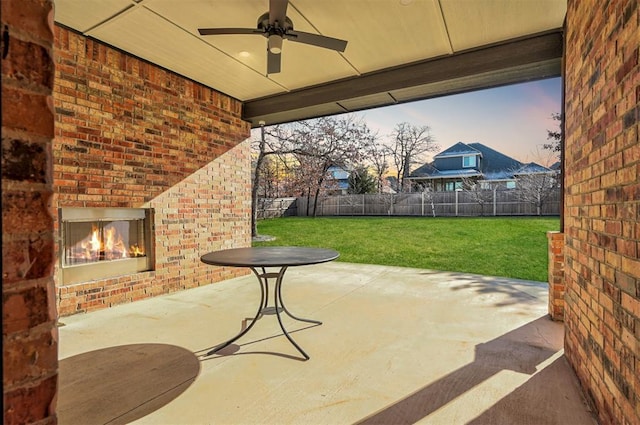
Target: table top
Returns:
[270, 256]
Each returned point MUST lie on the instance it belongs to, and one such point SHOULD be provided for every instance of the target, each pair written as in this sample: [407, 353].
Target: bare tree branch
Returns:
[537, 188]
[410, 144]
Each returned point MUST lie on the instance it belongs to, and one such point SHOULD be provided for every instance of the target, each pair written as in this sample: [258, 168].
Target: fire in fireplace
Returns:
[97, 243]
[105, 242]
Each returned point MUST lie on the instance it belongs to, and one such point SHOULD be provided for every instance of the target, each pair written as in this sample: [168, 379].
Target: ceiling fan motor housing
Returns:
[275, 28]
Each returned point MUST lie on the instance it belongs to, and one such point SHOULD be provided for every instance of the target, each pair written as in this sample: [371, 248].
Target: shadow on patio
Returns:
[397, 345]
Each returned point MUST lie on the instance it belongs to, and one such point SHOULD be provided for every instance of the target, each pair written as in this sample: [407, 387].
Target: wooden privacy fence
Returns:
[437, 204]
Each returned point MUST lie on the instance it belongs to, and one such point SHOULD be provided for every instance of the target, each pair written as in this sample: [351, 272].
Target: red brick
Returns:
[29, 358]
[30, 404]
[23, 310]
[22, 110]
[27, 60]
[30, 257]
[24, 160]
[25, 211]
[30, 16]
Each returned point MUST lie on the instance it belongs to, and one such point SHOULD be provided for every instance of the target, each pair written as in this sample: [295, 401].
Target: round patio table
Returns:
[258, 259]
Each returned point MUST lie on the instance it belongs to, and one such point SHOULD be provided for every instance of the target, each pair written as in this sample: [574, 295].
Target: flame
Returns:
[136, 251]
[105, 244]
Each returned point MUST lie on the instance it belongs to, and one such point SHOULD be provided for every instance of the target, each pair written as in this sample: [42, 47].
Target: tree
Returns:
[379, 155]
[473, 188]
[428, 196]
[360, 181]
[554, 135]
[537, 188]
[410, 144]
[269, 177]
[330, 141]
[277, 141]
[304, 171]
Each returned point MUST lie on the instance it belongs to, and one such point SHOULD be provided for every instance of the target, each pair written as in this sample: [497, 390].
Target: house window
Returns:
[469, 161]
[511, 185]
[451, 186]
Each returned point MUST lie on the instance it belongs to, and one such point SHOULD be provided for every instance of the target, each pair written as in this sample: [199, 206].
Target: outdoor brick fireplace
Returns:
[148, 154]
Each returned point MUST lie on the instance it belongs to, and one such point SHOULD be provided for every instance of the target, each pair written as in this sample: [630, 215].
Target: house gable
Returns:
[457, 157]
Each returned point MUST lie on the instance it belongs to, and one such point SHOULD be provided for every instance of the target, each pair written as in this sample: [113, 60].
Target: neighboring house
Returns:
[473, 161]
[337, 180]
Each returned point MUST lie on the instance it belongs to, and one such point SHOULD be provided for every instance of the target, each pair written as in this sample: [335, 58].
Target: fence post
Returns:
[494, 200]
[363, 200]
[457, 191]
[422, 204]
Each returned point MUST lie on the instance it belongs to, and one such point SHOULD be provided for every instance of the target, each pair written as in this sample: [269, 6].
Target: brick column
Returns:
[29, 333]
[556, 275]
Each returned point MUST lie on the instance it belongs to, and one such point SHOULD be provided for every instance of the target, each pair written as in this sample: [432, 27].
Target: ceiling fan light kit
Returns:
[275, 44]
[276, 26]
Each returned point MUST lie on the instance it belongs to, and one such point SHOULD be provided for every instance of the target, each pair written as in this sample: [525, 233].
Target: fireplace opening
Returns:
[97, 243]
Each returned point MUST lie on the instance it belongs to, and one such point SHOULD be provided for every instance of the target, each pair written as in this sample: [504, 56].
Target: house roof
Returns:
[452, 174]
[423, 50]
[494, 162]
[493, 166]
[430, 172]
[458, 149]
[425, 170]
[532, 168]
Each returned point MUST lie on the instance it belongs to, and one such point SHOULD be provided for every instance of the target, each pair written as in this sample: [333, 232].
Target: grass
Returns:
[508, 247]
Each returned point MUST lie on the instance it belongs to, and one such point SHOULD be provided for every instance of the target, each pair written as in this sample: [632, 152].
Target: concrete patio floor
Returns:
[397, 346]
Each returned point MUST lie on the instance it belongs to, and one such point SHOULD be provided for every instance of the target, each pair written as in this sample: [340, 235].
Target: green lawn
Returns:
[509, 247]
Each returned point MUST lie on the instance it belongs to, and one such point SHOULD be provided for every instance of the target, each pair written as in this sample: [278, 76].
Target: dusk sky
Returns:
[512, 119]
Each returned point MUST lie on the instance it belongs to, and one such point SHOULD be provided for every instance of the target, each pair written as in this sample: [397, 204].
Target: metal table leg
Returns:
[278, 299]
[263, 279]
[264, 299]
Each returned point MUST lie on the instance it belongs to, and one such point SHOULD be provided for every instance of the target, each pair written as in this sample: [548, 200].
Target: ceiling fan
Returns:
[276, 26]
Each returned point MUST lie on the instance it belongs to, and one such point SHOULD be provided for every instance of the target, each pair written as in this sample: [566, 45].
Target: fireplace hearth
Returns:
[97, 243]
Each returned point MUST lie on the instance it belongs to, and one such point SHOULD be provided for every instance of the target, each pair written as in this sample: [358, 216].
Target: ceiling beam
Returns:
[502, 56]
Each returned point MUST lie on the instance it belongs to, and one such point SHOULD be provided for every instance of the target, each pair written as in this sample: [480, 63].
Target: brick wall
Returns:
[130, 134]
[29, 334]
[602, 201]
[555, 267]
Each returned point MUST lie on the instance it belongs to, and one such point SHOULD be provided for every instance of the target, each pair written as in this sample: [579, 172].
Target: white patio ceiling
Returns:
[398, 50]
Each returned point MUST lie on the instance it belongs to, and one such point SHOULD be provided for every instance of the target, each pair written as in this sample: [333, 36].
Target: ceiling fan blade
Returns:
[278, 11]
[219, 31]
[273, 63]
[316, 40]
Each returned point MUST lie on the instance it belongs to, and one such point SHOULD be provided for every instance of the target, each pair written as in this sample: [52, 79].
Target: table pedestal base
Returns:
[263, 278]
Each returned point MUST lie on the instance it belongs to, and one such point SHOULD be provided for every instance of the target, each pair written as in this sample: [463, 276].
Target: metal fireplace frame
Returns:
[78, 273]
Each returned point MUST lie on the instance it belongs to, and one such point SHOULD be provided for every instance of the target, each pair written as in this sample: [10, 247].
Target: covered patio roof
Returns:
[397, 345]
[398, 50]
